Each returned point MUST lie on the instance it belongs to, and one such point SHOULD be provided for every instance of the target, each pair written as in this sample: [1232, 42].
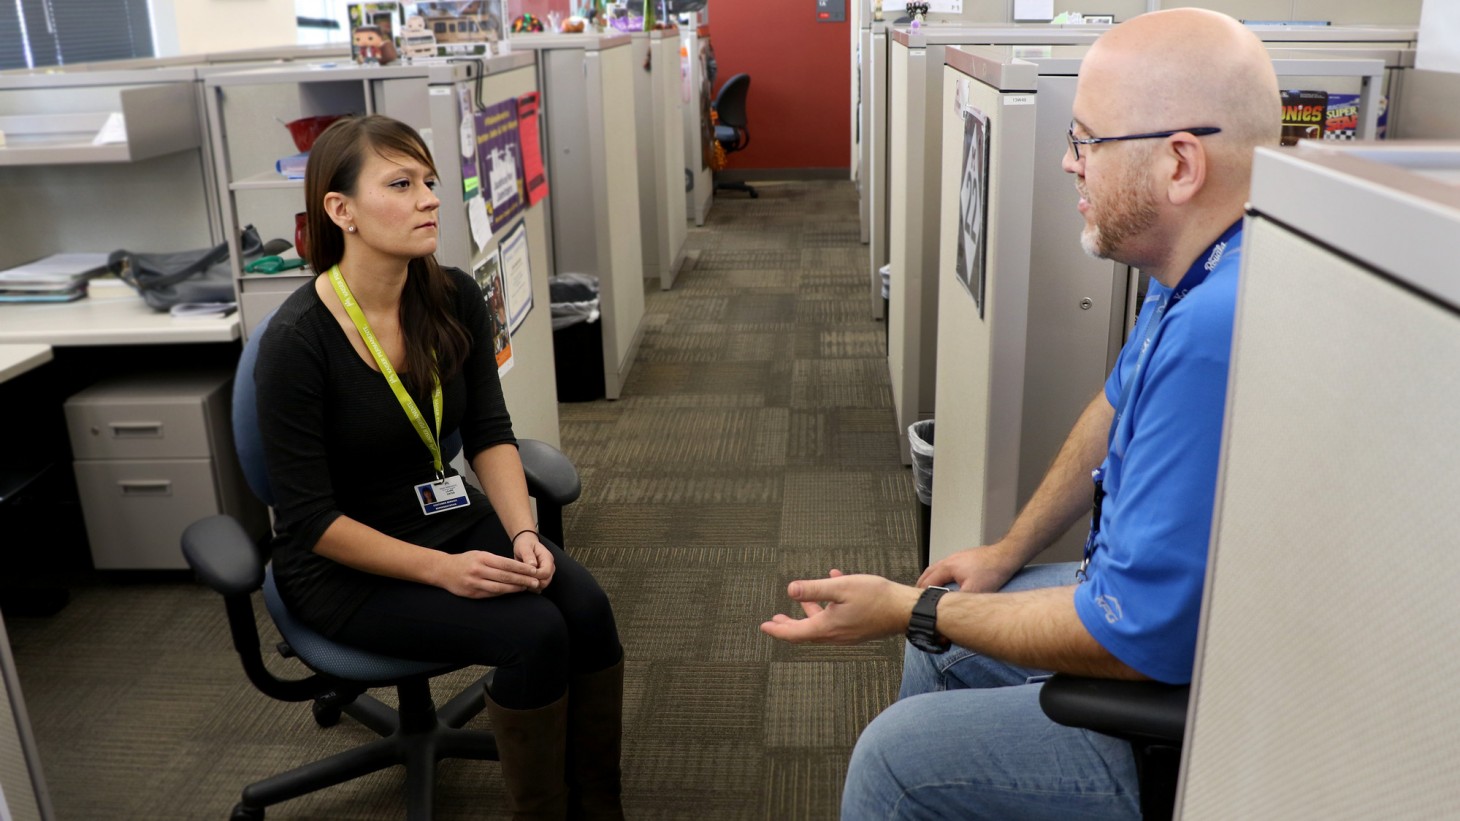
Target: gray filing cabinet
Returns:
[153, 454]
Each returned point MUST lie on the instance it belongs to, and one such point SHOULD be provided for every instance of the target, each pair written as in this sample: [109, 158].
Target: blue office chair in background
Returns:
[227, 559]
[731, 130]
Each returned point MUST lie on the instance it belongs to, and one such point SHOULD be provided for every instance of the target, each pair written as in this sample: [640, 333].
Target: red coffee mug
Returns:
[301, 235]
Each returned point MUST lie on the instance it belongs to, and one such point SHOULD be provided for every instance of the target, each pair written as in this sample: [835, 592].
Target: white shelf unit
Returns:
[245, 110]
[150, 192]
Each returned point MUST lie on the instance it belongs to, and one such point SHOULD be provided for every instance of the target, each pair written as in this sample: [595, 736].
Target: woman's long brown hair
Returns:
[435, 341]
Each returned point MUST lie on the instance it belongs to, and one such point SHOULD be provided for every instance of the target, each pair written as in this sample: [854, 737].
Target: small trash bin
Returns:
[886, 272]
[577, 337]
[920, 442]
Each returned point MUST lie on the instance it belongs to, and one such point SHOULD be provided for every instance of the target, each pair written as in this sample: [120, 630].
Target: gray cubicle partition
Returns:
[914, 177]
[244, 108]
[1324, 678]
[592, 163]
[659, 123]
[983, 315]
[23, 795]
[695, 93]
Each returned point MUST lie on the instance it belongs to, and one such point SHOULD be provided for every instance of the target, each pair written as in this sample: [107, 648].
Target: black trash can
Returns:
[577, 337]
[920, 442]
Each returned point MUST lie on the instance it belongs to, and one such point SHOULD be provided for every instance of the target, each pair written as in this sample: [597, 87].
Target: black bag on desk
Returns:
[203, 275]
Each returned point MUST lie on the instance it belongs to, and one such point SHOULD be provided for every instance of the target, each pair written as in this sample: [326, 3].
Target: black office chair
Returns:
[1148, 714]
[228, 560]
[731, 129]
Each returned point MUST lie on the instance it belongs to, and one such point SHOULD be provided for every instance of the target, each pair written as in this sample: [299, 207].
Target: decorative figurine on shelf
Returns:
[576, 24]
[372, 46]
[527, 23]
[416, 39]
[877, 10]
[918, 11]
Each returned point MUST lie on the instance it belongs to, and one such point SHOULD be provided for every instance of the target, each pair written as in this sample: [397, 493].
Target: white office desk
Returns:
[17, 359]
[108, 318]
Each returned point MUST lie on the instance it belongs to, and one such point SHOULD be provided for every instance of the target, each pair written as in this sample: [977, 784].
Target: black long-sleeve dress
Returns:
[338, 443]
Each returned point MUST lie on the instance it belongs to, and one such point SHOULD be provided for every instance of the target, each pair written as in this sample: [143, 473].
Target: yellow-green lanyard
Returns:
[433, 443]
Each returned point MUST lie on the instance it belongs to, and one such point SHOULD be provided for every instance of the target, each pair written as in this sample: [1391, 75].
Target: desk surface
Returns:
[17, 359]
[107, 318]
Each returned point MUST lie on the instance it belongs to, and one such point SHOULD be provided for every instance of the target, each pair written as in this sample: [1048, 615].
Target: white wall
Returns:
[202, 26]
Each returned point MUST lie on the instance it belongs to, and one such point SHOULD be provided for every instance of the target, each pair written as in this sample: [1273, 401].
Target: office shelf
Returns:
[160, 119]
[266, 180]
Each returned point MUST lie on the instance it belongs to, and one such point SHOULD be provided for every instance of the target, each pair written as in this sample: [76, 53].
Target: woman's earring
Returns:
[351, 229]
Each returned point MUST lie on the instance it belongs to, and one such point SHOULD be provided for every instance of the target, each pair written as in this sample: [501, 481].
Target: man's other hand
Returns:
[976, 570]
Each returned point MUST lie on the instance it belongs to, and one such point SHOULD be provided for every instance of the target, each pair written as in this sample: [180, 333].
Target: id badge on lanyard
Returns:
[445, 492]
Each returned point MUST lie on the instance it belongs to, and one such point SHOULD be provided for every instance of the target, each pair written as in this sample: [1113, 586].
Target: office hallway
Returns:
[755, 443]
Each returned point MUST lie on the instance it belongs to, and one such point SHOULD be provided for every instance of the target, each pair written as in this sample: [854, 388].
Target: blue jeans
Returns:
[967, 739]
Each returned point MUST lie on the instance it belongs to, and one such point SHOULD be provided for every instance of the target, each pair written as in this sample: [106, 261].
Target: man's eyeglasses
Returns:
[1076, 142]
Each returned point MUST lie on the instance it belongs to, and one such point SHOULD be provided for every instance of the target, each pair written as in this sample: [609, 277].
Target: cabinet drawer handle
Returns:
[146, 487]
[136, 430]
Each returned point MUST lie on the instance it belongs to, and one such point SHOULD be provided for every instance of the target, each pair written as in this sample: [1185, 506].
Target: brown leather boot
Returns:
[532, 746]
[595, 730]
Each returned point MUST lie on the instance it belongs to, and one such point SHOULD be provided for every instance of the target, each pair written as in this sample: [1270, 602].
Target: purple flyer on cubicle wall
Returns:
[499, 157]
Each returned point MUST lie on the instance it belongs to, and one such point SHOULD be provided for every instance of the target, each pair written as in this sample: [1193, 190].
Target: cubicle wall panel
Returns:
[569, 158]
[875, 188]
[900, 199]
[981, 366]
[624, 291]
[1074, 302]
[669, 119]
[1331, 490]
[151, 205]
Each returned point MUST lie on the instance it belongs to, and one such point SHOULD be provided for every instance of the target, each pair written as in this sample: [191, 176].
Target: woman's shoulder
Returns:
[300, 314]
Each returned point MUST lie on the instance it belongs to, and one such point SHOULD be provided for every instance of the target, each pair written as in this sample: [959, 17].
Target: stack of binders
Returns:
[56, 278]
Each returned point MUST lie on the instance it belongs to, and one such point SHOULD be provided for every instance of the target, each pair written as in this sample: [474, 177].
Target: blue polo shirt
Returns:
[1143, 597]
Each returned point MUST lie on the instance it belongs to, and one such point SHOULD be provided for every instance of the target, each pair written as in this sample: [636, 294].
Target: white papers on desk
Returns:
[1033, 10]
[203, 310]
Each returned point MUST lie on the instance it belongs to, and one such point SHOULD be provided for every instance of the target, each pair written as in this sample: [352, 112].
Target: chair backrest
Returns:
[247, 440]
[730, 102]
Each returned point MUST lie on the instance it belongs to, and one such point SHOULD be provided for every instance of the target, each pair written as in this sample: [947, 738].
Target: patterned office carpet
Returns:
[755, 443]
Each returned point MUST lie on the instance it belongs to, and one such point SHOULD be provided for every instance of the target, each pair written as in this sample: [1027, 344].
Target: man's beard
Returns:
[1126, 210]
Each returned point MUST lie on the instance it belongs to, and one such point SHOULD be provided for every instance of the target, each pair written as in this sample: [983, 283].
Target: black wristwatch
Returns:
[922, 629]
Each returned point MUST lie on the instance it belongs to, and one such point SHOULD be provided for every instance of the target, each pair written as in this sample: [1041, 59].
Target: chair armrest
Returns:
[223, 555]
[1139, 711]
[551, 477]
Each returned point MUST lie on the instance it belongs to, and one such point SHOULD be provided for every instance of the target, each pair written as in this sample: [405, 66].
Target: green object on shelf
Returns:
[272, 265]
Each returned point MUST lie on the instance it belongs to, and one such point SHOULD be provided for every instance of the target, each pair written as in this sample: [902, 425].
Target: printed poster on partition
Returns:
[517, 275]
[534, 176]
[973, 192]
[471, 184]
[494, 296]
[499, 157]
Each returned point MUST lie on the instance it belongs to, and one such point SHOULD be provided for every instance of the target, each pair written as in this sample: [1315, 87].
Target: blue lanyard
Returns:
[1195, 275]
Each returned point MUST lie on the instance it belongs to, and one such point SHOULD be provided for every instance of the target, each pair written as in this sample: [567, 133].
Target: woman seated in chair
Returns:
[359, 376]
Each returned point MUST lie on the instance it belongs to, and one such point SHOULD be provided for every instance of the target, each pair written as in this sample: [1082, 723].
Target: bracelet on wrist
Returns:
[520, 532]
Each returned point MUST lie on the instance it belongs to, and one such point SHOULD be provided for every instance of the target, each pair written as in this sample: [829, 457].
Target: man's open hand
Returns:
[844, 610]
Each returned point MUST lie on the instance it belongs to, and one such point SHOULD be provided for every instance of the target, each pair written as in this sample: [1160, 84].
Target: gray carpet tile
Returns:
[755, 444]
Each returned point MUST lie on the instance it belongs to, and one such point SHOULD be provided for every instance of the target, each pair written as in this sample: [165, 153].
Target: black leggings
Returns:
[535, 640]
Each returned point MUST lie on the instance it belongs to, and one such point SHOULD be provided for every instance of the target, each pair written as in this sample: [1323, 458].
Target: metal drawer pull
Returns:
[146, 487]
[136, 430]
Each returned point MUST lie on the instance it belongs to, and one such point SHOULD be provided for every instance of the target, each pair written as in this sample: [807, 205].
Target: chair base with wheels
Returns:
[738, 186]
[1148, 714]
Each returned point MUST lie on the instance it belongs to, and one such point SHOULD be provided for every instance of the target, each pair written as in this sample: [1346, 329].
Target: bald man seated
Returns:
[1168, 110]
